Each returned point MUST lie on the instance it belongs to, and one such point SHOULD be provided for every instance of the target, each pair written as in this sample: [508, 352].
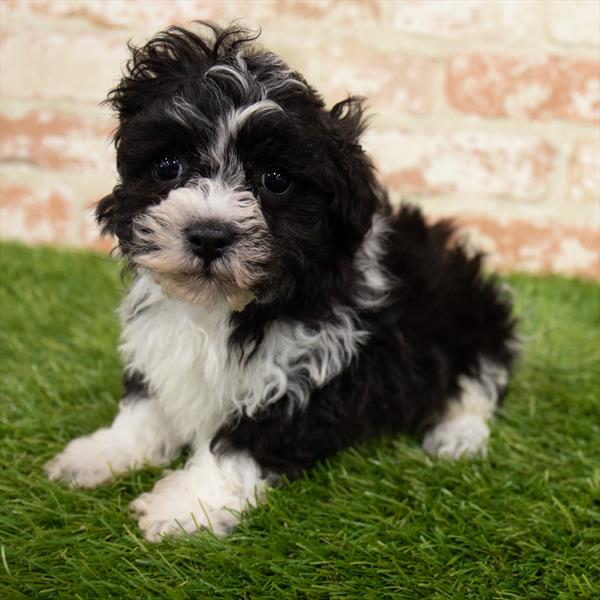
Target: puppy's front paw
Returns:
[462, 436]
[85, 462]
[173, 507]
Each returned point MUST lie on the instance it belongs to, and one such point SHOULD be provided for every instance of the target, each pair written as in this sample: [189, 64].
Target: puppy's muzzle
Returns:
[209, 240]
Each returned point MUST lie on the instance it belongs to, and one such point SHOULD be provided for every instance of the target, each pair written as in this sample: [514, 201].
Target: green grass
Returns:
[379, 521]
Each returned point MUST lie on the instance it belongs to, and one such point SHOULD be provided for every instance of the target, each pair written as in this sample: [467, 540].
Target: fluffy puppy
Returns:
[279, 309]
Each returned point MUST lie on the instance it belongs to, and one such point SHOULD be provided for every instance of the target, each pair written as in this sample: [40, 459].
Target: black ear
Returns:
[348, 117]
[357, 191]
[105, 214]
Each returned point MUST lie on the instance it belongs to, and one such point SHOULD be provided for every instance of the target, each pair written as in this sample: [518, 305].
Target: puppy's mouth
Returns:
[187, 278]
[202, 276]
[200, 253]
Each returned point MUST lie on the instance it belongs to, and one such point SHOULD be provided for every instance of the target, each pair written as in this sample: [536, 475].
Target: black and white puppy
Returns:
[279, 309]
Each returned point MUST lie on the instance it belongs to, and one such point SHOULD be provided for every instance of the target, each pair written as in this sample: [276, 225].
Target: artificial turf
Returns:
[379, 521]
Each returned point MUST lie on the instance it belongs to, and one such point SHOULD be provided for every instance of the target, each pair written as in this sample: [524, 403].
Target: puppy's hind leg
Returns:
[139, 435]
[463, 430]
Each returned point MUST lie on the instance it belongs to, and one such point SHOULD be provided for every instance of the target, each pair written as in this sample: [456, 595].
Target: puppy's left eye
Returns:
[276, 180]
[167, 168]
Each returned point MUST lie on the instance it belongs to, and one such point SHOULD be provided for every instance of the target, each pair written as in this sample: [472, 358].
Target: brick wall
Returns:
[485, 110]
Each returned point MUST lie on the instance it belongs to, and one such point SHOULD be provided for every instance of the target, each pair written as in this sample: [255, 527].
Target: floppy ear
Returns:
[357, 191]
[105, 214]
[348, 117]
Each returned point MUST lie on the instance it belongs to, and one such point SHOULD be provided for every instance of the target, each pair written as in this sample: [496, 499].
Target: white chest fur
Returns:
[182, 351]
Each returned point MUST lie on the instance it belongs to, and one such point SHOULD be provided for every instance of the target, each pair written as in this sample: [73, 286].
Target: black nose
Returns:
[209, 240]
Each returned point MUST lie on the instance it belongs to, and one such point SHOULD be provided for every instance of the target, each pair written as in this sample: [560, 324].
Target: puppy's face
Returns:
[235, 182]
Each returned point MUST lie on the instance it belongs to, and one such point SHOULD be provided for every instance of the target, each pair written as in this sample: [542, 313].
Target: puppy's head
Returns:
[235, 181]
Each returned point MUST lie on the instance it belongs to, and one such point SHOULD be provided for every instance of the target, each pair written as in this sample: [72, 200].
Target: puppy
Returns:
[279, 309]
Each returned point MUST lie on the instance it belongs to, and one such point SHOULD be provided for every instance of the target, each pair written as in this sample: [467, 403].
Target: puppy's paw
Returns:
[463, 436]
[174, 508]
[86, 462]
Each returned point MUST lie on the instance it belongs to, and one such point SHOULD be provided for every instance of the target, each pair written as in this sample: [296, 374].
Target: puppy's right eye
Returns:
[167, 168]
[276, 180]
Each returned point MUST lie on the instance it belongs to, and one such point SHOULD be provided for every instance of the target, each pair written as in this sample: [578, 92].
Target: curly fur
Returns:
[328, 319]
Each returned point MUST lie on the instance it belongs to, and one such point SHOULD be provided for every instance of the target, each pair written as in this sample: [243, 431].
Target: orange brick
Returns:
[548, 87]
[552, 248]
[584, 179]
[39, 205]
[120, 13]
[37, 215]
[384, 78]
[574, 21]
[267, 13]
[55, 140]
[475, 18]
[473, 163]
[80, 66]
